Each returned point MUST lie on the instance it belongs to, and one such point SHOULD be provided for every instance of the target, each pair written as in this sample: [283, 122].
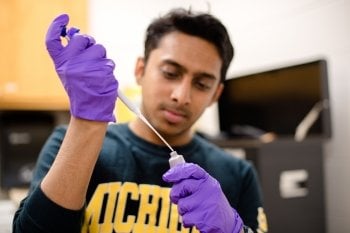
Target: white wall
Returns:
[266, 34]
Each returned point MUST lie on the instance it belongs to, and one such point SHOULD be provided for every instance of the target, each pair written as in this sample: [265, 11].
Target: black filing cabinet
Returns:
[22, 134]
[291, 175]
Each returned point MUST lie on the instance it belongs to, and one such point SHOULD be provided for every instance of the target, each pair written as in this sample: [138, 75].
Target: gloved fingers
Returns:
[184, 189]
[189, 219]
[93, 68]
[98, 68]
[78, 43]
[99, 80]
[185, 205]
[184, 171]
[72, 31]
[205, 219]
[53, 36]
[103, 85]
[94, 52]
[109, 66]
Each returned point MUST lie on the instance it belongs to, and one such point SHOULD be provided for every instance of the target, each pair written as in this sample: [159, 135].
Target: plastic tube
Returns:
[175, 158]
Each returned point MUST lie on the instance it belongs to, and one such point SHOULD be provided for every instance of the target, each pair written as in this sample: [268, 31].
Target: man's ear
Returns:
[217, 93]
[139, 69]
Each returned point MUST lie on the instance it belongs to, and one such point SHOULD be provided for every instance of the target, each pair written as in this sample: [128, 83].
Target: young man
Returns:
[97, 177]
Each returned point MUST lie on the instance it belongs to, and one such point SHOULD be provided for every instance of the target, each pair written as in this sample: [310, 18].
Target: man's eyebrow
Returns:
[174, 63]
[182, 68]
[206, 75]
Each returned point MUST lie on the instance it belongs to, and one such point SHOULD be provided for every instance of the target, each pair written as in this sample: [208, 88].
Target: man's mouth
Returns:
[174, 116]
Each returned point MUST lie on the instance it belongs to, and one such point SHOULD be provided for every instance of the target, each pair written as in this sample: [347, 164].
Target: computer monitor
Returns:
[277, 101]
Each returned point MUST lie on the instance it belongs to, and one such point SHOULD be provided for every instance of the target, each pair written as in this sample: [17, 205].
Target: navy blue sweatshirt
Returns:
[126, 191]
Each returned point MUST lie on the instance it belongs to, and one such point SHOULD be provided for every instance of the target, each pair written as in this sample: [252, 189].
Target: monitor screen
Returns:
[277, 101]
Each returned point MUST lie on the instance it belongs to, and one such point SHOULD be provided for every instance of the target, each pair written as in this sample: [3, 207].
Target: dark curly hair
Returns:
[202, 25]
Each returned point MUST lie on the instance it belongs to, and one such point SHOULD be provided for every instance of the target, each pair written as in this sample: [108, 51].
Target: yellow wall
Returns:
[27, 76]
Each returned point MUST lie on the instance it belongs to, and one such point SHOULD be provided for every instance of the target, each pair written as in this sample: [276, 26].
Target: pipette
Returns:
[175, 158]
[68, 34]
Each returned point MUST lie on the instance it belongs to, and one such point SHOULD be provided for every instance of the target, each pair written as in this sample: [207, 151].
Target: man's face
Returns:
[180, 79]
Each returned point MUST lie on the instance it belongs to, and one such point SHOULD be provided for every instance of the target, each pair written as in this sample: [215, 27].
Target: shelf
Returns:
[34, 103]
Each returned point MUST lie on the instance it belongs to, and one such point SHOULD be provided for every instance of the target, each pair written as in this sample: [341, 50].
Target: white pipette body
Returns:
[175, 158]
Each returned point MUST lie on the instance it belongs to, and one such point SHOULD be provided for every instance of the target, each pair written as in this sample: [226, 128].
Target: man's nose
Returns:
[182, 92]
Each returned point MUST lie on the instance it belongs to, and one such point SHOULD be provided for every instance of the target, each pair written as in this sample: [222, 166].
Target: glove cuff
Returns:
[92, 106]
[238, 223]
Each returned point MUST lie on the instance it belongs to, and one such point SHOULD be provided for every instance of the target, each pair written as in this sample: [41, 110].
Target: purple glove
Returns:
[85, 72]
[200, 200]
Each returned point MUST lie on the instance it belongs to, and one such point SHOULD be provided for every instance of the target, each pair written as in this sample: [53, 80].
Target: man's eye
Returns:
[203, 86]
[170, 75]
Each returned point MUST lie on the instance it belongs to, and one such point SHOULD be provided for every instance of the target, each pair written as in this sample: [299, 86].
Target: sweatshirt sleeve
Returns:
[37, 213]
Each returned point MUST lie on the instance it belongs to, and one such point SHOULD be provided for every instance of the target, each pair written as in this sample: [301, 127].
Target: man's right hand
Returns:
[85, 72]
[201, 201]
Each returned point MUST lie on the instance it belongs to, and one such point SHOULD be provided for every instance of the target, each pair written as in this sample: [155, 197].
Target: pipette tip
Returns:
[176, 159]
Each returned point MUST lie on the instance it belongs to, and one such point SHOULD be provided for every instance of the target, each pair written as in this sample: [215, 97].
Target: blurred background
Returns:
[267, 36]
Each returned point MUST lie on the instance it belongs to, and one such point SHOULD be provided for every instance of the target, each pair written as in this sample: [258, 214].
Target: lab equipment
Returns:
[201, 201]
[85, 72]
[69, 33]
[175, 158]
